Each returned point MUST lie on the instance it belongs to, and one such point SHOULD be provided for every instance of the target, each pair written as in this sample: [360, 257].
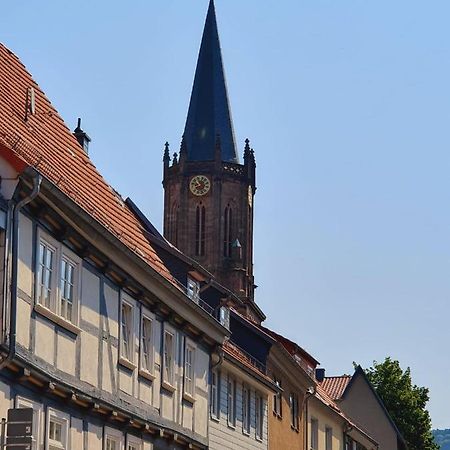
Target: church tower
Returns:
[208, 193]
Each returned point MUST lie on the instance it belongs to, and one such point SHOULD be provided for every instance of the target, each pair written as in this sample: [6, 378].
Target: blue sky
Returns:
[347, 104]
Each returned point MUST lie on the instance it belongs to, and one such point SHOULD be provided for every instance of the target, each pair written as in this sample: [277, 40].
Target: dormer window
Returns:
[193, 290]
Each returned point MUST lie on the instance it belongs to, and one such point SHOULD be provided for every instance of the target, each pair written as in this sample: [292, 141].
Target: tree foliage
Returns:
[405, 402]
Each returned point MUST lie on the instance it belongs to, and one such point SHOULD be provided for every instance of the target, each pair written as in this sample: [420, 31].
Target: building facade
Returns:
[109, 344]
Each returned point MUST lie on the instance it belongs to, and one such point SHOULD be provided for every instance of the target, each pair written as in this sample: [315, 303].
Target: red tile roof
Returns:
[335, 386]
[43, 141]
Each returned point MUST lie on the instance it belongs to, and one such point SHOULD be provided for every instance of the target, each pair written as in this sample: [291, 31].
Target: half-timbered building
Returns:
[102, 333]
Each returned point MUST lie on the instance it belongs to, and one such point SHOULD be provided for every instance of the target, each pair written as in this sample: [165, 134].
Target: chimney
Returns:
[320, 375]
[82, 137]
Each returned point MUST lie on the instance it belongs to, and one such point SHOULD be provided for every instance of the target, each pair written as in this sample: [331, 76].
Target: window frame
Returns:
[246, 408]
[133, 440]
[231, 402]
[189, 395]
[278, 399]
[168, 378]
[115, 435]
[314, 440]
[127, 360]
[215, 404]
[63, 420]
[144, 371]
[294, 411]
[53, 311]
[259, 416]
[193, 289]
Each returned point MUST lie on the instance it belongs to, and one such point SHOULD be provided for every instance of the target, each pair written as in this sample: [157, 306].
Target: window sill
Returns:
[49, 314]
[230, 425]
[296, 429]
[259, 439]
[126, 363]
[278, 416]
[146, 374]
[188, 397]
[246, 433]
[168, 387]
[215, 418]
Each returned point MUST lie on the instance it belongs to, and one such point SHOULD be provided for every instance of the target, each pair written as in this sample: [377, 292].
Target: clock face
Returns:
[200, 185]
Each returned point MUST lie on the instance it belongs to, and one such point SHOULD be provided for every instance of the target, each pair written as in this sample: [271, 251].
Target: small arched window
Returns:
[227, 234]
[200, 221]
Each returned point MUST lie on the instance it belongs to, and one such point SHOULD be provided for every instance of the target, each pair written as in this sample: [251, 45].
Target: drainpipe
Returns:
[309, 394]
[15, 208]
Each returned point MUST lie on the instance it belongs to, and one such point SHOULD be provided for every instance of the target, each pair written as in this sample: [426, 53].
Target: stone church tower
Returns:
[208, 193]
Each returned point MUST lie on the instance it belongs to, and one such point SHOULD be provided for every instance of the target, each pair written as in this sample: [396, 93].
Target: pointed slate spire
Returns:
[209, 110]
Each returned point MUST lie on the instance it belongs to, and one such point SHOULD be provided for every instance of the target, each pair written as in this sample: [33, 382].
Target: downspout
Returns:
[309, 394]
[37, 180]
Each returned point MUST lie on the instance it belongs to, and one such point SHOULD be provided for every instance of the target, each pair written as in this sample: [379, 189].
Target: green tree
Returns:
[405, 402]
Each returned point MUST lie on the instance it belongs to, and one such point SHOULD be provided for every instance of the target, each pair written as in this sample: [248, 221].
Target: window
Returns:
[46, 288]
[67, 284]
[193, 290]
[246, 409]
[114, 440]
[224, 317]
[57, 430]
[169, 354]
[259, 415]
[147, 343]
[314, 434]
[227, 235]
[200, 230]
[328, 438]
[215, 394]
[293, 404]
[189, 372]
[231, 402]
[37, 408]
[277, 397]
[133, 443]
[57, 281]
[126, 331]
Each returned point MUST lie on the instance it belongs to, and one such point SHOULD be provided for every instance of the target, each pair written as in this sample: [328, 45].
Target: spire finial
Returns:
[175, 159]
[166, 157]
[209, 109]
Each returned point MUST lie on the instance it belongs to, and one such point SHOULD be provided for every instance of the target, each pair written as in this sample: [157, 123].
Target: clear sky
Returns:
[347, 104]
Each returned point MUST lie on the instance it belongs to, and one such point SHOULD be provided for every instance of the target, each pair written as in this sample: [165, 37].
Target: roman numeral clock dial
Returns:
[200, 185]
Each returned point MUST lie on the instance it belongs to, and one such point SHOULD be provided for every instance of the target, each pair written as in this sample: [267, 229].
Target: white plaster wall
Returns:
[45, 340]
[66, 353]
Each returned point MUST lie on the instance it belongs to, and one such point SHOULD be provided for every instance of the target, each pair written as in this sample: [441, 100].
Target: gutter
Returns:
[14, 210]
[310, 393]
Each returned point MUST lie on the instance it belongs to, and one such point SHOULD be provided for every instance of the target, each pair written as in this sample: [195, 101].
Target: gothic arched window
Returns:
[200, 221]
[227, 231]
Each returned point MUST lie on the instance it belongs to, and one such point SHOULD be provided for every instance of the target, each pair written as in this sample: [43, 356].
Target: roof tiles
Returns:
[44, 141]
[335, 386]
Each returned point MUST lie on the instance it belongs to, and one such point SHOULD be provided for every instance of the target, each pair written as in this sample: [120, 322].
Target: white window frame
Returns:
[259, 416]
[168, 378]
[133, 441]
[277, 399]
[328, 438]
[215, 394]
[22, 402]
[53, 310]
[62, 419]
[231, 401]
[189, 389]
[193, 290]
[114, 435]
[246, 408]
[127, 360]
[314, 434]
[145, 371]
[294, 411]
